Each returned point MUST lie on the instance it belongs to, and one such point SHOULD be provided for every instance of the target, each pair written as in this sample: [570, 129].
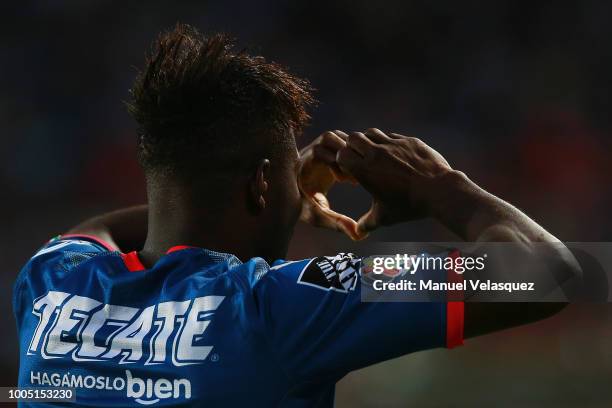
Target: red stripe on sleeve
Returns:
[454, 324]
[454, 311]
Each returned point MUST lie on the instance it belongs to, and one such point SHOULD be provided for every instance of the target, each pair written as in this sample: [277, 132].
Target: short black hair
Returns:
[200, 105]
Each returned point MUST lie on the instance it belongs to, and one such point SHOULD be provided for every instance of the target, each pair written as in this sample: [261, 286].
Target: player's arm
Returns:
[125, 229]
[410, 180]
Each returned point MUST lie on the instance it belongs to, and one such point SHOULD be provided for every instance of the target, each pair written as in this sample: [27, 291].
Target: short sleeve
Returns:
[68, 251]
[57, 257]
[319, 328]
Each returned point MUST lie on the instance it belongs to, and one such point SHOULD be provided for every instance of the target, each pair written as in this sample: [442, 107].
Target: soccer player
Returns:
[188, 301]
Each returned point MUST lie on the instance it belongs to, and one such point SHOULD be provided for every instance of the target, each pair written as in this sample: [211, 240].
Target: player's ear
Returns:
[259, 185]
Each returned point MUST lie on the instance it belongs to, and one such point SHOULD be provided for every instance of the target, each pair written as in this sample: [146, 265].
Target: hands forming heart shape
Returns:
[401, 173]
[316, 178]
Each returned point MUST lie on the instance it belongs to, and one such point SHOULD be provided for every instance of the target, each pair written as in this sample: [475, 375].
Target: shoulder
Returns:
[65, 252]
[56, 258]
[85, 245]
[338, 273]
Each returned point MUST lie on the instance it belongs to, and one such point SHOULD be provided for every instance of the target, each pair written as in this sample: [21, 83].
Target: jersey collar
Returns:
[133, 263]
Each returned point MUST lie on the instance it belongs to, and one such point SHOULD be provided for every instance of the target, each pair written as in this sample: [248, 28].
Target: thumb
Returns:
[370, 220]
[316, 212]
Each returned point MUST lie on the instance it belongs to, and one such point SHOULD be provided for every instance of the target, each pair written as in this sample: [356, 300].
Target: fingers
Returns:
[332, 140]
[349, 160]
[362, 143]
[369, 221]
[326, 141]
[340, 175]
[359, 149]
[344, 224]
[341, 134]
[325, 149]
[317, 212]
[358, 142]
[324, 154]
[377, 136]
[349, 153]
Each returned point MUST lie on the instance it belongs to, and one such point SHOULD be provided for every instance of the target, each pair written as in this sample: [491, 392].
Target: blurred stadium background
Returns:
[516, 94]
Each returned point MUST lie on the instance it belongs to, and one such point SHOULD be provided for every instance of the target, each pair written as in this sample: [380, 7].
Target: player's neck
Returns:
[169, 227]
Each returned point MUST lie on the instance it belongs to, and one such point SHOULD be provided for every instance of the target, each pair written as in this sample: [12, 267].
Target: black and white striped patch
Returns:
[337, 273]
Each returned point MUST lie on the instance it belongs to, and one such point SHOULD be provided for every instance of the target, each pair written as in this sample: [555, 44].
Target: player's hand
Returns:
[401, 173]
[317, 173]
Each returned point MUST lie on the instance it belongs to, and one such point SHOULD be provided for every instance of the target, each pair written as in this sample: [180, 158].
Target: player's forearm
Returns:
[125, 228]
[476, 215]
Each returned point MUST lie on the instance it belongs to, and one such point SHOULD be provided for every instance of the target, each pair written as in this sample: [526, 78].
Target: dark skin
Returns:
[267, 203]
[407, 180]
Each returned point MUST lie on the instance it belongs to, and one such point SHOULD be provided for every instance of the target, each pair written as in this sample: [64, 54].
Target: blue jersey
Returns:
[201, 328]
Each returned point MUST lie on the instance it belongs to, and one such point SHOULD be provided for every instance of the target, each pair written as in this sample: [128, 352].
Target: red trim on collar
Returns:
[132, 262]
[178, 248]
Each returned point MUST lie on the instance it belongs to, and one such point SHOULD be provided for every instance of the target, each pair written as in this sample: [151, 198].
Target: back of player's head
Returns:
[206, 110]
